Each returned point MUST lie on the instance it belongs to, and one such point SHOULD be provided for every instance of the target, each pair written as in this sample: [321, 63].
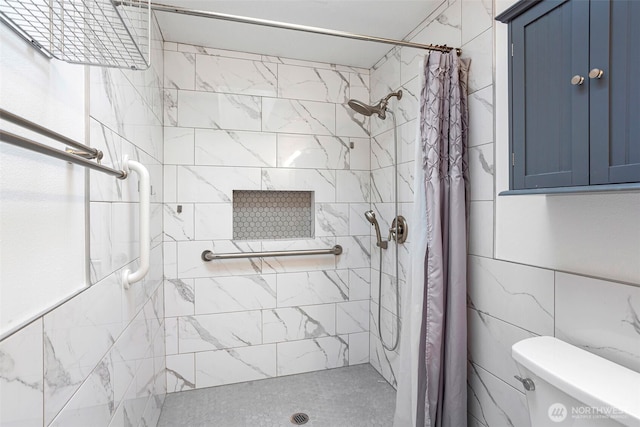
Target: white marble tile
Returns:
[481, 172]
[352, 186]
[359, 284]
[405, 182]
[385, 76]
[481, 228]
[515, 293]
[170, 259]
[313, 152]
[190, 263]
[125, 233]
[93, 403]
[358, 224]
[101, 261]
[312, 84]
[480, 50]
[407, 134]
[444, 29]
[219, 110]
[171, 335]
[385, 362]
[234, 148]
[477, 16]
[490, 342]
[179, 70]
[600, 316]
[481, 116]
[178, 226]
[235, 365]
[350, 123]
[213, 221]
[295, 357]
[170, 183]
[297, 323]
[170, 46]
[181, 373]
[355, 252]
[21, 373]
[321, 182]
[352, 317]
[313, 287]
[178, 146]
[170, 101]
[359, 86]
[77, 335]
[231, 75]
[219, 331]
[382, 185]
[411, 61]
[408, 108]
[332, 219]
[179, 297]
[360, 154]
[292, 116]
[358, 348]
[205, 50]
[493, 402]
[235, 293]
[382, 151]
[204, 184]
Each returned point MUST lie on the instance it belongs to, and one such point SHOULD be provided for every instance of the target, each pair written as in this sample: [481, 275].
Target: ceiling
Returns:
[389, 19]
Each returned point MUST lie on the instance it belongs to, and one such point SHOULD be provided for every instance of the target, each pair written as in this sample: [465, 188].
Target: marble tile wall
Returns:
[99, 358]
[238, 121]
[507, 302]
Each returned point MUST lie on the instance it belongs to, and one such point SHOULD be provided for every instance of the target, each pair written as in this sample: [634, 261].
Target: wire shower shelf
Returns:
[94, 32]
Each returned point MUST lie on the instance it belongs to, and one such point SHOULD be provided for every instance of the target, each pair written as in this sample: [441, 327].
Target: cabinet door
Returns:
[550, 132]
[615, 96]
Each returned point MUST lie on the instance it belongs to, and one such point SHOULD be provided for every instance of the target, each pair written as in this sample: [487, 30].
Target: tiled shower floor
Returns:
[356, 396]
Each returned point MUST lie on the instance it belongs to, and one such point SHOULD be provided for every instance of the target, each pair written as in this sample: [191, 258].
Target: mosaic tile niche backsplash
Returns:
[259, 215]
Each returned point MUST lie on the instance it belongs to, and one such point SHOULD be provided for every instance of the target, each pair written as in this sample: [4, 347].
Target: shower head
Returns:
[380, 108]
[371, 217]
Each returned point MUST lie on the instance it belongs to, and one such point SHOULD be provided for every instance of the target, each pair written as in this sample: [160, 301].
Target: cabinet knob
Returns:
[577, 80]
[596, 73]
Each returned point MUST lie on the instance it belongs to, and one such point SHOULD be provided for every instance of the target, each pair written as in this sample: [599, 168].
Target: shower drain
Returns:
[299, 418]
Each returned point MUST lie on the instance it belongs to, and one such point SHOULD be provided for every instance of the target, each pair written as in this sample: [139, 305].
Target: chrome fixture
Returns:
[399, 229]
[371, 217]
[81, 157]
[527, 383]
[380, 108]
[287, 26]
[210, 256]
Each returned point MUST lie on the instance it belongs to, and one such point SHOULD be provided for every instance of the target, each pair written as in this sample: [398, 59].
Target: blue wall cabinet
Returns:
[574, 85]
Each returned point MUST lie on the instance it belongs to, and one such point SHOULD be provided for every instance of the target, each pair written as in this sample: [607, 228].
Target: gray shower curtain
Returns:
[432, 389]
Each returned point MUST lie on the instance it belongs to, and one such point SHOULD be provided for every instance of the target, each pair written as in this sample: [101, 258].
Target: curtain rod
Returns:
[287, 26]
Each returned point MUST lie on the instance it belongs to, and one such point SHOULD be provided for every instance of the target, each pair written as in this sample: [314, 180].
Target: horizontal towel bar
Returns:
[85, 151]
[28, 144]
[210, 256]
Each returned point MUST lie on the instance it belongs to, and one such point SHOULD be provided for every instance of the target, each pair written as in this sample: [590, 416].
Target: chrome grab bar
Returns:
[210, 256]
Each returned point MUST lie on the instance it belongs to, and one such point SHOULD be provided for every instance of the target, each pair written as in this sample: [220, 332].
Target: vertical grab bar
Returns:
[145, 242]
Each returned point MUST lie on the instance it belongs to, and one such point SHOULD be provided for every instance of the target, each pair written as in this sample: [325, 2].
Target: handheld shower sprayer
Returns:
[371, 217]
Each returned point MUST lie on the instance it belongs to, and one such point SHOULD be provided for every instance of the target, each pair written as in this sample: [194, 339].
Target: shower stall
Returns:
[240, 144]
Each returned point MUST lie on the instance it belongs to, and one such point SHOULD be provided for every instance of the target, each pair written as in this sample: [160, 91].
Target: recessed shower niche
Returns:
[264, 215]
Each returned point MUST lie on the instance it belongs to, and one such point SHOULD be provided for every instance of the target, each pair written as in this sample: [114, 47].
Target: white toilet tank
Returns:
[573, 387]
